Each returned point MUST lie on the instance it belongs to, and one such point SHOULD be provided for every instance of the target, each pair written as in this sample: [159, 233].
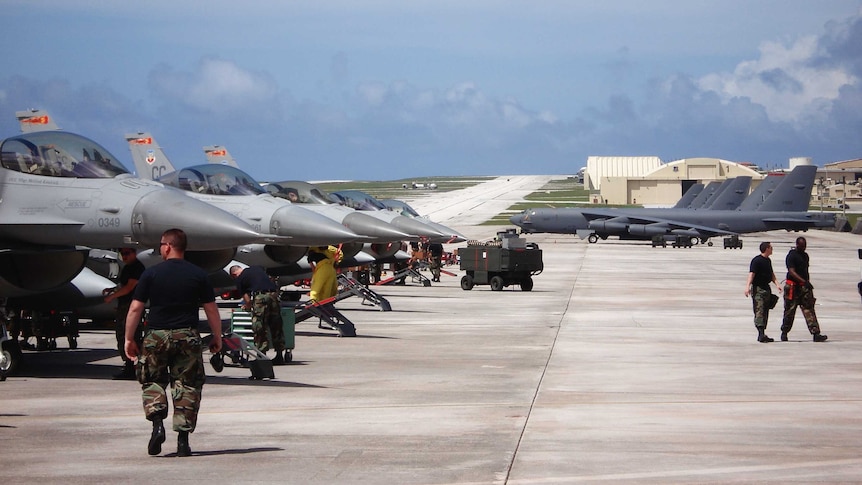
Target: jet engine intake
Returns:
[41, 268]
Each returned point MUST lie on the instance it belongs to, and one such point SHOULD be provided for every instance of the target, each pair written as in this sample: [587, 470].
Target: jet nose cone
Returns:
[450, 235]
[412, 226]
[207, 227]
[307, 228]
[379, 231]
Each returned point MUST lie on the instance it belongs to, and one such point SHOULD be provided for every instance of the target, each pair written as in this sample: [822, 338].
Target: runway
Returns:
[625, 364]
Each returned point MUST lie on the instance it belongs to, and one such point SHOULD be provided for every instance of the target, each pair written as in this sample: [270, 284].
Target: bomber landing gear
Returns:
[593, 238]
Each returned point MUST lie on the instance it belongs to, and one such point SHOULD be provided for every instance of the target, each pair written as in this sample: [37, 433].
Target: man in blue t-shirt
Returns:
[171, 353]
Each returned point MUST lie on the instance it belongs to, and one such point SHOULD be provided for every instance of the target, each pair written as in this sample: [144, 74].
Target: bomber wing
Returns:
[608, 222]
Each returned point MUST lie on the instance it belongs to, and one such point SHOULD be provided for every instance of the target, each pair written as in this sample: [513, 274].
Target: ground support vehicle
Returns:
[732, 242]
[500, 263]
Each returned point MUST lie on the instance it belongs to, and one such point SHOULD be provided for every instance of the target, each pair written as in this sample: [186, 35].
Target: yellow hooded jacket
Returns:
[324, 281]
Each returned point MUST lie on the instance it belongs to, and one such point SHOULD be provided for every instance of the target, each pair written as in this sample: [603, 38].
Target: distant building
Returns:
[648, 181]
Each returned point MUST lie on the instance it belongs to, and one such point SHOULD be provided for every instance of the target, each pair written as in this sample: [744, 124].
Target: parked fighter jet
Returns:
[785, 208]
[59, 190]
[358, 200]
[403, 208]
[237, 192]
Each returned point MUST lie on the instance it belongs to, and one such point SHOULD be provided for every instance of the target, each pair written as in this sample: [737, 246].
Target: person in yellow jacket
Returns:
[324, 282]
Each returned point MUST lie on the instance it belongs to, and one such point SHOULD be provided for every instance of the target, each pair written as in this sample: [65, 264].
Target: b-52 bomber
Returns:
[785, 208]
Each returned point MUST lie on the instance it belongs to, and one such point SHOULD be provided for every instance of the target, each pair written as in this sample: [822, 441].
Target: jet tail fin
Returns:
[33, 120]
[689, 196]
[149, 158]
[219, 154]
[793, 194]
[761, 192]
[733, 195]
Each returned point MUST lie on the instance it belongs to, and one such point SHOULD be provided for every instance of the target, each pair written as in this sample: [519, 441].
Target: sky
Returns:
[385, 90]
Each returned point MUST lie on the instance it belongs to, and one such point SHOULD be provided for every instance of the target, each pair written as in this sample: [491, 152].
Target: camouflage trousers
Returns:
[266, 322]
[172, 357]
[435, 264]
[760, 304]
[803, 298]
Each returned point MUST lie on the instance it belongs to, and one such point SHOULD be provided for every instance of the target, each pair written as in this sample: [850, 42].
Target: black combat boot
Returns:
[819, 337]
[761, 336]
[157, 438]
[183, 448]
[783, 336]
[279, 358]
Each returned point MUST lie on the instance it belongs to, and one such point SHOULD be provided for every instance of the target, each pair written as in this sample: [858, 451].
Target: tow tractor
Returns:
[505, 261]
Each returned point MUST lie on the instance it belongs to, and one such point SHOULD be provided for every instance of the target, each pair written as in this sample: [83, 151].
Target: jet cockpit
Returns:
[59, 154]
[356, 199]
[213, 179]
[299, 192]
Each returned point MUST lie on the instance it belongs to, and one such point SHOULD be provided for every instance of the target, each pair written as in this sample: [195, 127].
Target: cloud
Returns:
[787, 80]
[217, 88]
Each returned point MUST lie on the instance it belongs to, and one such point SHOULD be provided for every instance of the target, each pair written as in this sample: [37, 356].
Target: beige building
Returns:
[647, 181]
[838, 182]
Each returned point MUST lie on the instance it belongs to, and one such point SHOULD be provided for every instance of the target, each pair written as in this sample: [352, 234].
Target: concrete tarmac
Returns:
[625, 364]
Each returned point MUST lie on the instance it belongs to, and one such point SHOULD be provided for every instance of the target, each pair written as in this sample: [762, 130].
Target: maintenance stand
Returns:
[505, 261]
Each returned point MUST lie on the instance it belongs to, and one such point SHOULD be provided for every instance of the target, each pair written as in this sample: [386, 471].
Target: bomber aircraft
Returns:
[785, 208]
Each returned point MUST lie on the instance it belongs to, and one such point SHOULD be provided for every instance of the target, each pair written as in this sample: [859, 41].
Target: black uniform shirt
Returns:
[175, 289]
[798, 261]
[761, 266]
[131, 271]
[254, 279]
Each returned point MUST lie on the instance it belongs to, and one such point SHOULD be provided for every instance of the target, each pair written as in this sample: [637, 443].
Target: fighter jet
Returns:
[62, 193]
[358, 200]
[785, 208]
[403, 208]
[382, 239]
[237, 192]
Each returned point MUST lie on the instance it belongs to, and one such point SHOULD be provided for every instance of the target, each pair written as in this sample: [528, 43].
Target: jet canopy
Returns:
[356, 199]
[213, 179]
[401, 207]
[59, 154]
[299, 192]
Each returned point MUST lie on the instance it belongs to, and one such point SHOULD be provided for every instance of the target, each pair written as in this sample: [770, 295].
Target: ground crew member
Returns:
[260, 297]
[324, 280]
[171, 353]
[435, 260]
[798, 292]
[760, 274]
[129, 276]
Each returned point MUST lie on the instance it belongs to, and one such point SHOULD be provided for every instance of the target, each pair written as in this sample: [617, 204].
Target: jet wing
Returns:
[629, 223]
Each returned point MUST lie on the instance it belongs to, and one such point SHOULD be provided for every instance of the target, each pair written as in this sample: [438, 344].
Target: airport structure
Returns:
[648, 181]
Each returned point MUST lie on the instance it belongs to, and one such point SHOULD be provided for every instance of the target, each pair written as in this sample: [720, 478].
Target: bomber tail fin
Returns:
[149, 158]
[733, 194]
[793, 194]
[704, 195]
[761, 192]
[689, 196]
